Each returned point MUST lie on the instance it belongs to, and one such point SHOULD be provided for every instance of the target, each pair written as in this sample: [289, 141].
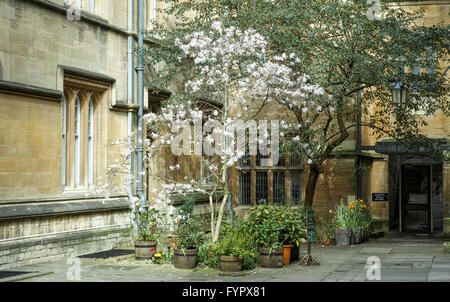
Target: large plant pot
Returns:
[356, 236]
[230, 264]
[364, 235]
[272, 258]
[295, 253]
[343, 236]
[144, 249]
[287, 254]
[185, 259]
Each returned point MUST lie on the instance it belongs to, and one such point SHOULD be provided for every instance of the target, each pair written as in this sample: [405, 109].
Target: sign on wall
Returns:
[380, 196]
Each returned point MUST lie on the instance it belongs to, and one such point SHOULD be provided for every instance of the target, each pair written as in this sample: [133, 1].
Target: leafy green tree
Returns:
[345, 47]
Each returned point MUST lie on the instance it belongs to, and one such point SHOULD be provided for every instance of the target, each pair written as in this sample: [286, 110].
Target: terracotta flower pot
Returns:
[287, 254]
[144, 249]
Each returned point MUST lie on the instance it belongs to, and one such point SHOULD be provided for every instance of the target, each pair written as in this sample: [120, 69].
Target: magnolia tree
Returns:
[345, 47]
[221, 78]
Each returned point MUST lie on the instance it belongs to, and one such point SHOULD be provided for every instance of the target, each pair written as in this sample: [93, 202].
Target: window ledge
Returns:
[53, 208]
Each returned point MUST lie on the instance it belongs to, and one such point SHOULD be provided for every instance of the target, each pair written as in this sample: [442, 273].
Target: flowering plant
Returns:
[207, 254]
[150, 224]
[361, 214]
[227, 76]
[358, 214]
[342, 217]
[163, 256]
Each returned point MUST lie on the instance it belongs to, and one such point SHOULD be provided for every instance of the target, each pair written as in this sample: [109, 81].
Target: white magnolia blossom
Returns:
[228, 63]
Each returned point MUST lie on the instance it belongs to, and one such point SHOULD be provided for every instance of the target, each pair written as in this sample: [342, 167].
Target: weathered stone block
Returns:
[381, 224]
[447, 225]
[446, 247]
[377, 212]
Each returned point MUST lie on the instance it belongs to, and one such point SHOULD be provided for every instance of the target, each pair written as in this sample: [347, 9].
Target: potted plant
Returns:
[234, 246]
[188, 237]
[355, 222]
[361, 218]
[292, 226]
[271, 249]
[149, 229]
[293, 234]
[269, 240]
[343, 222]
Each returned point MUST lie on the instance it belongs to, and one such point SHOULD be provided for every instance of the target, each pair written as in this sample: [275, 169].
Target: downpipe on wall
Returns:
[130, 56]
[140, 71]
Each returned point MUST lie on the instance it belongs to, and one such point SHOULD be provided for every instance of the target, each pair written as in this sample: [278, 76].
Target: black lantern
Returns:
[398, 93]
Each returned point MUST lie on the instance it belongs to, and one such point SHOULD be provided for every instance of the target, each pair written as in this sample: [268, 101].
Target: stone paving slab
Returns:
[338, 264]
[375, 250]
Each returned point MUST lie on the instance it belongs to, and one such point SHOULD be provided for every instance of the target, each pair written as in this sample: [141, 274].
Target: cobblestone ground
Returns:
[403, 258]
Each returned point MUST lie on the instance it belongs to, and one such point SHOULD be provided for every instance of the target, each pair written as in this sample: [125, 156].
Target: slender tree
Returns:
[220, 77]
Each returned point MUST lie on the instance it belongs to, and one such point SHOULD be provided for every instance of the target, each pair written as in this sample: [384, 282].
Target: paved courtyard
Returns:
[402, 258]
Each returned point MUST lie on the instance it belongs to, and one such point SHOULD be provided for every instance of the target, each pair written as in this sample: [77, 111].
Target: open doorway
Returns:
[421, 202]
[416, 198]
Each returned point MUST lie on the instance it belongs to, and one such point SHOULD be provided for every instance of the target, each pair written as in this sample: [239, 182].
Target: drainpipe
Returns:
[358, 147]
[155, 3]
[140, 71]
[130, 55]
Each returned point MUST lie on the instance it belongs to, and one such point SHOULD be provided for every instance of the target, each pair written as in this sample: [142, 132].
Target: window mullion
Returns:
[91, 142]
[77, 142]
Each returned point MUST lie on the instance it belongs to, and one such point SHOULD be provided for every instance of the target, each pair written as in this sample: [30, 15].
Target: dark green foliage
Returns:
[189, 233]
[188, 206]
[150, 224]
[236, 239]
[277, 225]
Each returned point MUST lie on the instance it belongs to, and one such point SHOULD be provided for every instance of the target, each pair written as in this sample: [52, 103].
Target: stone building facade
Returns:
[67, 91]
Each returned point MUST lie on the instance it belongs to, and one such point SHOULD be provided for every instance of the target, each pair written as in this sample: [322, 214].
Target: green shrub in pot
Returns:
[290, 221]
[189, 233]
[189, 236]
[236, 241]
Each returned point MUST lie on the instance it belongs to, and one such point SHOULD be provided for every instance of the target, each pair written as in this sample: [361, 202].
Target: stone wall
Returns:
[44, 230]
[30, 160]
[59, 246]
[40, 219]
[336, 184]
[37, 39]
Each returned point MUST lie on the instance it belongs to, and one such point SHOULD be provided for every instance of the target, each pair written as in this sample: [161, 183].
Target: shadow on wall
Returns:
[334, 185]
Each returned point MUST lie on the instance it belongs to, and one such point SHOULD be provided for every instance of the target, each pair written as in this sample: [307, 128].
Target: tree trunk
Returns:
[314, 173]
[220, 215]
[211, 205]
